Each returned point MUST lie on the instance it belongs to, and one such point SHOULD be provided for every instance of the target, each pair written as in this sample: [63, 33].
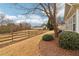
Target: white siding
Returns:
[77, 21]
[69, 26]
[74, 19]
[69, 23]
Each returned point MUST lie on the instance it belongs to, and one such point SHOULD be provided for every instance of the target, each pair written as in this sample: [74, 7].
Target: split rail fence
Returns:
[20, 35]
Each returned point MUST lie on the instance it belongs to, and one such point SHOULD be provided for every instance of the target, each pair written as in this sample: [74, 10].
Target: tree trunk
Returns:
[54, 21]
[56, 30]
[55, 26]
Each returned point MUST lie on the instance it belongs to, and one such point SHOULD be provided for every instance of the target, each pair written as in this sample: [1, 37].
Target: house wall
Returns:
[77, 21]
[69, 23]
[70, 20]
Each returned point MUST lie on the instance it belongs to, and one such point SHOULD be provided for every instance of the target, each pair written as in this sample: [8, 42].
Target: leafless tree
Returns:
[48, 9]
[2, 16]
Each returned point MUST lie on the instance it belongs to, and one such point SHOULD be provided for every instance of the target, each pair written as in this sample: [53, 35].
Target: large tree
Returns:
[48, 9]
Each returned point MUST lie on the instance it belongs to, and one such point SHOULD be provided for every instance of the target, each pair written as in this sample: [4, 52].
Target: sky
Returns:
[11, 9]
[14, 12]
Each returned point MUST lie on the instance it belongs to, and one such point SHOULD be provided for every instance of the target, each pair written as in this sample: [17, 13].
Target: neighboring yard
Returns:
[9, 38]
[35, 47]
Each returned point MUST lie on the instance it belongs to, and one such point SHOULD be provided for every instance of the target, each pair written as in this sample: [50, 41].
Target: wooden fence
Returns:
[20, 35]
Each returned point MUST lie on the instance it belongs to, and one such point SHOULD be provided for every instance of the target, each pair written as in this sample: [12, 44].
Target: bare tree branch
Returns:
[44, 9]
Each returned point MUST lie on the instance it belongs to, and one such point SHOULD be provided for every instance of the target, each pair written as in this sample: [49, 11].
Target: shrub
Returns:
[47, 37]
[69, 40]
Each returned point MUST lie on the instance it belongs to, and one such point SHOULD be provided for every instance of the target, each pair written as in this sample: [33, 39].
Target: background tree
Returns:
[2, 16]
[49, 25]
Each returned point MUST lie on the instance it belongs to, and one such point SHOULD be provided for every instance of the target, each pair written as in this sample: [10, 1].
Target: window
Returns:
[74, 22]
[74, 27]
[74, 19]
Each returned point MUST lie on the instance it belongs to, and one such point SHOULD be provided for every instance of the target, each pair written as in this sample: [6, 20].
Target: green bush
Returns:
[47, 37]
[69, 40]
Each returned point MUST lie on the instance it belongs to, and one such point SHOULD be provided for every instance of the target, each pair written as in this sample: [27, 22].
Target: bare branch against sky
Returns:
[18, 11]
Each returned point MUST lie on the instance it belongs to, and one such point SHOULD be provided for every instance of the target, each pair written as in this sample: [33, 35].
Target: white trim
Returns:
[69, 10]
[77, 18]
[71, 16]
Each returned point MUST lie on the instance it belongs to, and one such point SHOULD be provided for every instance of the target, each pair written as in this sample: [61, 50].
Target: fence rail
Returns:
[25, 34]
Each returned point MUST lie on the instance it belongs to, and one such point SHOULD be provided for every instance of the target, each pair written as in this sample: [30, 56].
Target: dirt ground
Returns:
[36, 47]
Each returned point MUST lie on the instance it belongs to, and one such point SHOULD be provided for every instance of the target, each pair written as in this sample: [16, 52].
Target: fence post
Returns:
[25, 32]
[12, 36]
[28, 34]
[12, 32]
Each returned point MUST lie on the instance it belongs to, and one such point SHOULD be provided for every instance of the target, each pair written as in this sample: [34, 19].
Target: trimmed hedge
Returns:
[69, 40]
[47, 37]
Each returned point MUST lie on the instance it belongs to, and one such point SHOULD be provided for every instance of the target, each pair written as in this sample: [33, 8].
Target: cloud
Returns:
[33, 19]
[20, 21]
[34, 16]
[10, 17]
[36, 20]
[2, 12]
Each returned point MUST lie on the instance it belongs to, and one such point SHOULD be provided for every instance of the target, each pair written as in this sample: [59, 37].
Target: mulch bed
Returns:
[51, 48]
